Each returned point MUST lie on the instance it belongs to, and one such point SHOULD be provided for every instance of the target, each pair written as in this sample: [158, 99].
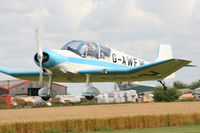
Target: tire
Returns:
[89, 97]
[45, 98]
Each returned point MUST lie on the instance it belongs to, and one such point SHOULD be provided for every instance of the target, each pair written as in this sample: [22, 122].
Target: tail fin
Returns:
[165, 52]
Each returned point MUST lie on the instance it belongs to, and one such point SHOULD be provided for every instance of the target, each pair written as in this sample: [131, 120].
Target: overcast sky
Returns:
[141, 25]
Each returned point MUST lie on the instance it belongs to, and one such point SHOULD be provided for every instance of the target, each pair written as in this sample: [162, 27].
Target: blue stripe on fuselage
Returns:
[56, 59]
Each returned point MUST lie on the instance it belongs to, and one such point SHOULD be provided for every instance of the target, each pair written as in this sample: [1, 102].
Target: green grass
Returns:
[177, 129]
[174, 129]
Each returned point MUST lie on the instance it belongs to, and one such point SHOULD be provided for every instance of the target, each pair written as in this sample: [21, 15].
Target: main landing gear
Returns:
[163, 84]
[90, 92]
[47, 92]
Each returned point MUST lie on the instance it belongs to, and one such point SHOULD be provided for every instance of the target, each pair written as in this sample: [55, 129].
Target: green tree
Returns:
[165, 96]
[179, 85]
[194, 85]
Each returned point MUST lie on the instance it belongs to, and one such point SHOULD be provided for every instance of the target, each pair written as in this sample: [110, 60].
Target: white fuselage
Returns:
[117, 59]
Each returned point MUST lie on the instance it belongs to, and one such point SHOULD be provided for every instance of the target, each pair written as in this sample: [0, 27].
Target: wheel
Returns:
[89, 97]
[45, 98]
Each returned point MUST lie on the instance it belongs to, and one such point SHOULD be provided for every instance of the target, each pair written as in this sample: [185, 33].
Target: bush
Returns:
[165, 96]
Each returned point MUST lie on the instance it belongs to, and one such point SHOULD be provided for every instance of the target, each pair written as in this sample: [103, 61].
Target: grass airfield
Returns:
[97, 111]
[98, 117]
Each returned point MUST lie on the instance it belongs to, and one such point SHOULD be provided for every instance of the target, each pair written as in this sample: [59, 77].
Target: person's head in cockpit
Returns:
[91, 50]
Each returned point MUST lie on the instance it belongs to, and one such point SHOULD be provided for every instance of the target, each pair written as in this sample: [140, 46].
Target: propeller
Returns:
[39, 56]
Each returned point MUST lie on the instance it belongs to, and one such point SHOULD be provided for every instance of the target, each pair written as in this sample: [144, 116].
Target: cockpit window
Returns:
[104, 52]
[84, 49]
[92, 50]
[78, 47]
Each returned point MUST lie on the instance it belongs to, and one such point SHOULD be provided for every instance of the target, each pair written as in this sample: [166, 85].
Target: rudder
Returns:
[165, 52]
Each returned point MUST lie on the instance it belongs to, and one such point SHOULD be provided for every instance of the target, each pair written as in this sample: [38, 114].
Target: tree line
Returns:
[181, 85]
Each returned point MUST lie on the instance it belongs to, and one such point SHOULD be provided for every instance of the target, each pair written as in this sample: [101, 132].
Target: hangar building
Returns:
[27, 88]
[141, 88]
[138, 87]
[3, 91]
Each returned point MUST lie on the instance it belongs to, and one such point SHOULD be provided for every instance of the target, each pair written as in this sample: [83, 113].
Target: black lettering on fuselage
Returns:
[135, 61]
[114, 58]
[123, 61]
[130, 61]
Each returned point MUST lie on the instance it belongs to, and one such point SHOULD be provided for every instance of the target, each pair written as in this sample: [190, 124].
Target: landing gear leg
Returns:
[48, 89]
[87, 80]
[90, 90]
[47, 92]
[88, 84]
[50, 84]
[163, 84]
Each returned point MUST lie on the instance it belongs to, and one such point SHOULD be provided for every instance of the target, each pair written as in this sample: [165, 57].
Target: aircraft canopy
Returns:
[88, 49]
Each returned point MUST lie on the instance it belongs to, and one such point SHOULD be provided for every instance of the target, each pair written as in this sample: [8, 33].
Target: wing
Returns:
[152, 71]
[26, 75]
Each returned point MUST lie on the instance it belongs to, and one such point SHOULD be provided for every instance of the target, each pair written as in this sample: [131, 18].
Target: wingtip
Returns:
[191, 66]
[5, 70]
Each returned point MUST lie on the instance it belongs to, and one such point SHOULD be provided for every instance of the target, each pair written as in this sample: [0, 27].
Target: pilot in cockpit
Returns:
[91, 50]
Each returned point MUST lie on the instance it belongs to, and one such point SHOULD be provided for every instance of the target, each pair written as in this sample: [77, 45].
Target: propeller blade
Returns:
[39, 46]
[39, 56]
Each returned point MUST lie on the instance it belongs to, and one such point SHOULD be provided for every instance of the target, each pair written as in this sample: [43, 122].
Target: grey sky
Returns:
[143, 24]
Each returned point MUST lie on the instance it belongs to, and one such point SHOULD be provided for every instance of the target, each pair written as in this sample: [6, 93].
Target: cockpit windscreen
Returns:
[84, 49]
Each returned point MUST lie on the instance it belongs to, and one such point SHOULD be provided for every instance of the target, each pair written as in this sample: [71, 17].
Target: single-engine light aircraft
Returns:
[84, 61]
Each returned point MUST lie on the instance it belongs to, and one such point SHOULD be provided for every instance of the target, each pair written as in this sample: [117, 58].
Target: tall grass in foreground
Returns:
[83, 125]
